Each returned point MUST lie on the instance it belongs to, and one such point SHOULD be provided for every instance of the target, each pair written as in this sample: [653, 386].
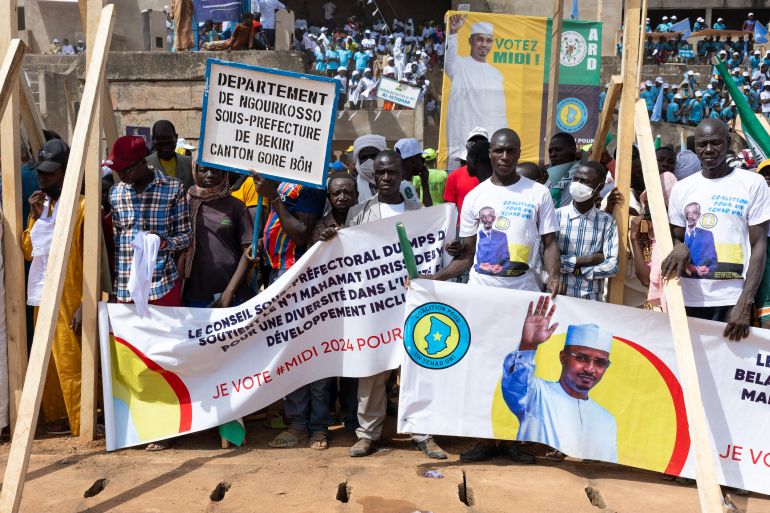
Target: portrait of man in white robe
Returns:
[560, 413]
[477, 97]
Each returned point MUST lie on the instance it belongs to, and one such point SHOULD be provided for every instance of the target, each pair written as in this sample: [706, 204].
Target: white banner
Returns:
[337, 312]
[398, 93]
[277, 122]
[470, 370]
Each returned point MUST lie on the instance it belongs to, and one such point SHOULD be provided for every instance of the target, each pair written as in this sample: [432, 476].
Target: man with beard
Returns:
[560, 413]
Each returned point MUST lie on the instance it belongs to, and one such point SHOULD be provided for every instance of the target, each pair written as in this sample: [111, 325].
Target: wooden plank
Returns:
[15, 290]
[553, 72]
[92, 246]
[607, 116]
[708, 487]
[69, 109]
[30, 116]
[642, 35]
[9, 71]
[625, 140]
[110, 126]
[18, 458]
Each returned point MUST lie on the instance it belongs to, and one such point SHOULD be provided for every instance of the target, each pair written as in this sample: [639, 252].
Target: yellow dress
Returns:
[61, 394]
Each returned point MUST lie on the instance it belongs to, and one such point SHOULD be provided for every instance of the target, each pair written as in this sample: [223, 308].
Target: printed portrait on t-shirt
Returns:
[492, 255]
[710, 258]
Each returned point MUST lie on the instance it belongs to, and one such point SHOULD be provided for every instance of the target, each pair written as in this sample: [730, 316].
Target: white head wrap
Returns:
[589, 335]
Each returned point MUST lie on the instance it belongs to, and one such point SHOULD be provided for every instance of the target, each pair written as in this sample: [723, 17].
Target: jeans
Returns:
[308, 407]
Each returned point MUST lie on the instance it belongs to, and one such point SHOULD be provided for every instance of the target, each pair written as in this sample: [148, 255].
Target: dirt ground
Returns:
[198, 476]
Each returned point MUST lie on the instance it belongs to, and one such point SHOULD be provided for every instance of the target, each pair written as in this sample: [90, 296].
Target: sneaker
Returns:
[430, 449]
[555, 455]
[363, 447]
[513, 451]
[479, 452]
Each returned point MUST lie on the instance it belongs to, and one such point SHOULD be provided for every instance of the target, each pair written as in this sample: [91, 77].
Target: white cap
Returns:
[324, 29]
[481, 27]
[745, 73]
[677, 96]
[182, 143]
[698, 93]
[736, 53]
[589, 335]
[659, 80]
[408, 148]
[648, 20]
[607, 86]
[732, 104]
[367, 70]
[665, 18]
[701, 19]
[722, 52]
[751, 14]
[56, 40]
[757, 52]
[665, 85]
[673, 17]
[711, 86]
[367, 31]
[720, 19]
[767, 83]
[690, 72]
[746, 86]
[477, 131]
[648, 83]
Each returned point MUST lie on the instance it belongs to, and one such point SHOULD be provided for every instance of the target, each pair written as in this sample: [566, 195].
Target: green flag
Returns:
[756, 135]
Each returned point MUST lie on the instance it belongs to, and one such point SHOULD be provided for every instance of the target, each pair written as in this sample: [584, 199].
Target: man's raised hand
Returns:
[455, 22]
[536, 329]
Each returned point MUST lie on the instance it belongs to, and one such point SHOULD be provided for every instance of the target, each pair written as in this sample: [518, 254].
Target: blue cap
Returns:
[337, 166]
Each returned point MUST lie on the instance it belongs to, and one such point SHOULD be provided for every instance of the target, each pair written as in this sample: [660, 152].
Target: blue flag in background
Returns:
[683, 27]
[657, 109]
[760, 33]
[574, 14]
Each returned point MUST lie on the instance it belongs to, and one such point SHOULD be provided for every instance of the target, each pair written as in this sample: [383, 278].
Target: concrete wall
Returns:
[146, 87]
[611, 15]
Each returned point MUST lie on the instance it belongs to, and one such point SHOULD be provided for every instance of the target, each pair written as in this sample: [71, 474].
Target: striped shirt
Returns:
[583, 235]
[281, 251]
[161, 208]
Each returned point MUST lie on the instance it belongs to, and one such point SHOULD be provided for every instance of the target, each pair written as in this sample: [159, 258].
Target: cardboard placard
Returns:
[398, 93]
[276, 122]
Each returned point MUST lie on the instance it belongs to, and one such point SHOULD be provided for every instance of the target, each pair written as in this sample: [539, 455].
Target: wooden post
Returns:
[607, 116]
[642, 37]
[625, 140]
[553, 73]
[10, 160]
[711, 500]
[92, 246]
[30, 116]
[18, 458]
[108, 118]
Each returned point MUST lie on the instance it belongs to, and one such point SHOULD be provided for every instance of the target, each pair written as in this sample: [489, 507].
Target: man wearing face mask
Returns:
[62, 417]
[587, 236]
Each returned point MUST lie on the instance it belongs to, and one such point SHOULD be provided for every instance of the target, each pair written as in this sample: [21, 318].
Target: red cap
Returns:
[127, 151]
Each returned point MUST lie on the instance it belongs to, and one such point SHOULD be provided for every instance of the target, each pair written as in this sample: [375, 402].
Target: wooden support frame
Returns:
[710, 495]
[18, 458]
[13, 256]
[553, 72]
[606, 117]
[92, 245]
[623, 156]
[30, 115]
[642, 35]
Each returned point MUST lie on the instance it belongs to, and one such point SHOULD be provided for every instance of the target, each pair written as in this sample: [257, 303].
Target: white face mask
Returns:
[366, 170]
[580, 192]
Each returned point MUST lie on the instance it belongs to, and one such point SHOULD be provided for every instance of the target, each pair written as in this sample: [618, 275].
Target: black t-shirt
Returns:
[222, 228]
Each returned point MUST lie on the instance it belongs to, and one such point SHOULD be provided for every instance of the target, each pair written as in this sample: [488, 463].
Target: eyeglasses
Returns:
[599, 363]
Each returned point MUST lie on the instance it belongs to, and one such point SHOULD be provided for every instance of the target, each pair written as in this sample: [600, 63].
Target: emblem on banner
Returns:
[573, 48]
[571, 115]
[436, 336]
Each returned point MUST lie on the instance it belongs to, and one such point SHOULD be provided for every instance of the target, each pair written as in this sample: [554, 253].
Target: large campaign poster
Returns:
[593, 380]
[338, 311]
[496, 75]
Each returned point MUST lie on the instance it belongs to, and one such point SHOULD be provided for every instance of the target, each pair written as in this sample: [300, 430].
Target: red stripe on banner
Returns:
[682, 440]
[174, 381]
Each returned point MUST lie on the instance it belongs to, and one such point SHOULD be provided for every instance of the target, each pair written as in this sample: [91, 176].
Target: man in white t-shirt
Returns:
[372, 396]
[764, 99]
[733, 205]
[502, 220]
[523, 211]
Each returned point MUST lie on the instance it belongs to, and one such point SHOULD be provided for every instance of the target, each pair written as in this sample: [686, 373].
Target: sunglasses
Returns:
[599, 363]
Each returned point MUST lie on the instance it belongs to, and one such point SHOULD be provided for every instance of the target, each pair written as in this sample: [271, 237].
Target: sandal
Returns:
[286, 439]
[160, 445]
[319, 441]
[276, 423]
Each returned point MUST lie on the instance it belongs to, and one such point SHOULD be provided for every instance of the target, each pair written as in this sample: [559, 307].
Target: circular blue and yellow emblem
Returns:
[571, 115]
[436, 336]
